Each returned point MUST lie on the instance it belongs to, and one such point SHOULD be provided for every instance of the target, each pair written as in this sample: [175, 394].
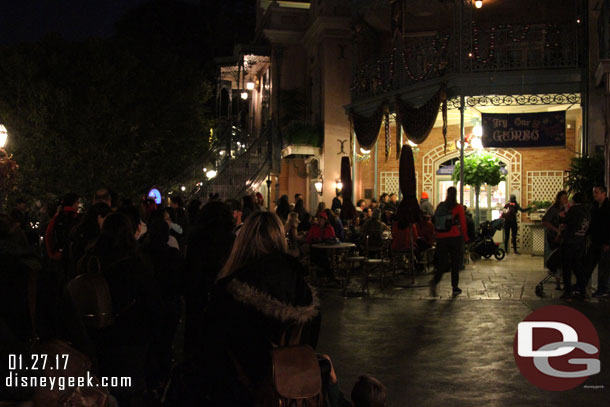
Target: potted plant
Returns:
[585, 173]
[480, 168]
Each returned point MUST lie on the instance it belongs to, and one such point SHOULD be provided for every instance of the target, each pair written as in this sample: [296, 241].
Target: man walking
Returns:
[599, 252]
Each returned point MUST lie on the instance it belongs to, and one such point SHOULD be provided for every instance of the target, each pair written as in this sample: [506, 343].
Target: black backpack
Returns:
[443, 218]
[62, 227]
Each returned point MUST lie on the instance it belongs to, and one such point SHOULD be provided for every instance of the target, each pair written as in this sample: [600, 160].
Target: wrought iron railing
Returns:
[245, 172]
[228, 144]
[509, 47]
[487, 48]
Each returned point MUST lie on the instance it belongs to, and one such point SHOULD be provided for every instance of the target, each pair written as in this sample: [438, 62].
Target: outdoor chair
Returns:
[378, 259]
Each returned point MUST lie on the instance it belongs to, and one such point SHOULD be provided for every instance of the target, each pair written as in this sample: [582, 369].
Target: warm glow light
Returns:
[339, 185]
[3, 136]
[250, 85]
[318, 185]
[183, 188]
[477, 131]
[205, 170]
[476, 143]
[363, 151]
[478, 3]
[244, 95]
[210, 174]
[412, 144]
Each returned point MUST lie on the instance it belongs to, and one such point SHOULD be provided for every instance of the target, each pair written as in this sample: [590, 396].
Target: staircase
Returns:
[246, 169]
[245, 172]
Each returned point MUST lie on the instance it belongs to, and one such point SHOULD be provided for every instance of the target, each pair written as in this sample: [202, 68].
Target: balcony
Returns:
[489, 48]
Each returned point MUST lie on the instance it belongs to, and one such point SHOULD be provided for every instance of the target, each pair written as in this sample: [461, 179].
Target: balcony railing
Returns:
[488, 48]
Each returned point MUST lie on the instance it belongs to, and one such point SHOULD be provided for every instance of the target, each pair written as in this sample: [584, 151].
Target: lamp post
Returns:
[8, 167]
[3, 136]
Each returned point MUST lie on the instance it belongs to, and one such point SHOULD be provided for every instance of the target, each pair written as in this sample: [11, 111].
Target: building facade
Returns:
[338, 76]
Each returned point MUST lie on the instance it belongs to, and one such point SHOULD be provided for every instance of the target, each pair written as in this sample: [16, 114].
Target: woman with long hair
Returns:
[299, 208]
[451, 234]
[283, 208]
[260, 293]
[292, 233]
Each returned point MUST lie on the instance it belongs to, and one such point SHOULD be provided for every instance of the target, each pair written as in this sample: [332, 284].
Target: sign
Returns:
[156, 195]
[524, 130]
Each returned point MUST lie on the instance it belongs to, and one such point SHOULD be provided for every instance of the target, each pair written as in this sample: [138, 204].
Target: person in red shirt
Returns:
[321, 230]
[401, 236]
[449, 243]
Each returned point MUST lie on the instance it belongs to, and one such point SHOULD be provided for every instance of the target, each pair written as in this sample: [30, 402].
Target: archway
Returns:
[434, 157]
[509, 156]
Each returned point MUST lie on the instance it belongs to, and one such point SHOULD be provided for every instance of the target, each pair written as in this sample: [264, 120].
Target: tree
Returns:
[585, 173]
[82, 115]
[480, 168]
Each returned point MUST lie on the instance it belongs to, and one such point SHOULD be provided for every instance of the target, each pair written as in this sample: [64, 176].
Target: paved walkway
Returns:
[448, 351]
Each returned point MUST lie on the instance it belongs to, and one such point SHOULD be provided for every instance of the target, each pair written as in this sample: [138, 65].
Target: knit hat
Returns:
[424, 195]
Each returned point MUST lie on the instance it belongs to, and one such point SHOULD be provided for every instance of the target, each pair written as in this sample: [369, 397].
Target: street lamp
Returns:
[318, 185]
[210, 174]
[250, 85]
[478, 3]
[3, 136]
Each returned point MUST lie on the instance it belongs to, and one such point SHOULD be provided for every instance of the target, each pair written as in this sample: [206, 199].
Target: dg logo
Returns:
[557, 348]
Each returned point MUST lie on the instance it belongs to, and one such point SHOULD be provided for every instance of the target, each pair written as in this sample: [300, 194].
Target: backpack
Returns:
[64, 222]
[91, 297]
[79, 366]
[443, 218]
[296, 380]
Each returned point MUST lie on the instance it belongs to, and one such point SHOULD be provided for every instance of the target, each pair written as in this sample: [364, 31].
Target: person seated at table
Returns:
[401, 239]
[426, 231]
[374, 225]
[401, 236]
[305, 223]
[371, 232]
[354, 230]
[320, 230]
[335, 222]
[293, 236]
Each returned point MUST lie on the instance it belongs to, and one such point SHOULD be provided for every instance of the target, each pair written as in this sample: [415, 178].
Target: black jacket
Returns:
[249, 312]
[577, 222]
[600, 222]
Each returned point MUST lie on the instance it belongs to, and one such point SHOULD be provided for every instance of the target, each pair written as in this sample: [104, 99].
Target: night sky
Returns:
[29, 20]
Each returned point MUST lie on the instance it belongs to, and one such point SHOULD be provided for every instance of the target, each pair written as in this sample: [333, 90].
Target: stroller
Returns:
[484, 245]
[553, 262]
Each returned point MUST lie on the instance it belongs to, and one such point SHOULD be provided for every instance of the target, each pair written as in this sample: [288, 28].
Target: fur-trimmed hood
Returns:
[275, 287]
[272, 307]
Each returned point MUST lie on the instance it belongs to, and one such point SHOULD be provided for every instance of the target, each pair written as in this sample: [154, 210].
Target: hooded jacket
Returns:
[249, 312]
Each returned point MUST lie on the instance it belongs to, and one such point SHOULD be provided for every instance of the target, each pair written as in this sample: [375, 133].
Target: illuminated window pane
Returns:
[498, 197]
[483, 197]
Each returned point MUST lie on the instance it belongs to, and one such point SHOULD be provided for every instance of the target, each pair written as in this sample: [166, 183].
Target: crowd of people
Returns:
[578, 235]
[114, 279]
[231, 272]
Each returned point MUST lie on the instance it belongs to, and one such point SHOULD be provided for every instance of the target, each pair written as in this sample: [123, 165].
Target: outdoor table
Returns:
[334, 248]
